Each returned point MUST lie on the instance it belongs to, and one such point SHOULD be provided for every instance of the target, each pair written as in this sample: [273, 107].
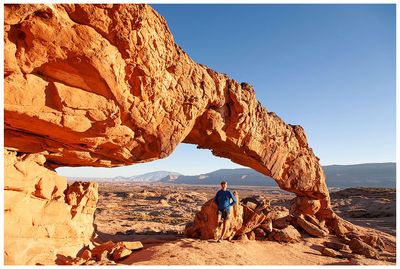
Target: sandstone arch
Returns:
[105, 85]
[92, 88]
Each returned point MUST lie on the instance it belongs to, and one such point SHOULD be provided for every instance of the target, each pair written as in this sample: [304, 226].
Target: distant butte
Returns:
[105, 86]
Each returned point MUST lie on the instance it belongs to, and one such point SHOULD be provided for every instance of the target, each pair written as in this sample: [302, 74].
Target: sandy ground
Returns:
[177, 250]
[156, 216]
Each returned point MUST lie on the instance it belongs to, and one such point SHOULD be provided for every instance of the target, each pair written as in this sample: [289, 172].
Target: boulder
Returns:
[251, 220]
[281, 223]
[266, 226]
[121, 253]
[276, 212]
[259, 232]
[133, 245]
[337, 246]
[251, 235]
[286, 235]
[99, 251]
[330, 252]
[86, 255]
[251, 205]
[359, 247]
[256, 202]
[205, 224]
[242, 237]
[310, 226]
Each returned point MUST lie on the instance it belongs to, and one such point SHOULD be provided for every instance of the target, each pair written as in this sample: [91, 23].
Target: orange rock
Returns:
[98, 250]
[205, 224]
[86, 255]
[251, 220]
[305, 205]
[140, 95]
[48, 228]
[311, 226]
[112, 113]
[251, 235]
[133, 245]
[121, 253]
[288, 235]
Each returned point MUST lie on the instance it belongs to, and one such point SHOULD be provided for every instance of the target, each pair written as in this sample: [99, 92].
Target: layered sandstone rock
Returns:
[105, 85]
[40, 221]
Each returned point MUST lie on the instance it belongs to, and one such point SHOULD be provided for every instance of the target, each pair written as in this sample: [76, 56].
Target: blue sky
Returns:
[329, 68]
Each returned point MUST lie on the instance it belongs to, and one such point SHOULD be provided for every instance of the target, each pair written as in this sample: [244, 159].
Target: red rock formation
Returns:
[40, 221]
[105, 85]
[205, 224]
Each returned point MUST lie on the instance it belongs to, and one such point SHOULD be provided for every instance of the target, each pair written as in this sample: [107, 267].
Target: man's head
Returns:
[224, 185]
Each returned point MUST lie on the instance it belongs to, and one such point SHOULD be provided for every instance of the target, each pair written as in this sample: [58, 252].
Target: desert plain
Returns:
[156, 215]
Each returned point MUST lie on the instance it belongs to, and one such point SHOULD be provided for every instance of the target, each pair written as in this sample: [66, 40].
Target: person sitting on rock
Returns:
[223, 200]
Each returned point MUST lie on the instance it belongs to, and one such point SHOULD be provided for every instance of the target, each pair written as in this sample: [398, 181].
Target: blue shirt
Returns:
[223, 199]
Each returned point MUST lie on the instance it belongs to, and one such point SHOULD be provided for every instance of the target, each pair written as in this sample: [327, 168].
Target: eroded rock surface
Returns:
[205, 224]
[105, 85]
[39, 220]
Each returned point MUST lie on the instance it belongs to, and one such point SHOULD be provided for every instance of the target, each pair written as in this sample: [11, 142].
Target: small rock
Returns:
[345, 254]
[266, 226]
[133, 245]
[251, 205]
[280, 223]
[358, 246]
[288, 235]
[86, 255]
[98, 250]
[121, 253]
[259, 232]
[337, 246]
[242, 237]
[163, 202]
[251, 235]
[310, 227]
[330, 252]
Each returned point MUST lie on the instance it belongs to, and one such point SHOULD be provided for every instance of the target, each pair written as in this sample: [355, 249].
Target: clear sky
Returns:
[329, 68]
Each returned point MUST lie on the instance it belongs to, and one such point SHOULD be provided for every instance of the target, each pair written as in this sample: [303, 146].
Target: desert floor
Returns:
[156, 215]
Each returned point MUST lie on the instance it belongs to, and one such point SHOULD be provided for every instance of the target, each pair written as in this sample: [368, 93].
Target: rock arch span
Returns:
[105, 85]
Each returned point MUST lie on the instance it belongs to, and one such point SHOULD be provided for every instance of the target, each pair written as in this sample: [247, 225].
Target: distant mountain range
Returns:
[148, 177]
[343, 176]
[358, 175]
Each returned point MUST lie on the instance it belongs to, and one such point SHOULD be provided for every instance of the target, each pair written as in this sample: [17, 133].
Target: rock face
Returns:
[105, 86]
[40, 220]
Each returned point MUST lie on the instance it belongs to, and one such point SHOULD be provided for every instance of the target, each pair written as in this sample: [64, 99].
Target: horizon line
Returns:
[392, 162]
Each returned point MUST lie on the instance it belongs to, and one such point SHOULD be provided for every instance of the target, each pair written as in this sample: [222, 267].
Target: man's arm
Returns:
[216, 198]
[233, 198]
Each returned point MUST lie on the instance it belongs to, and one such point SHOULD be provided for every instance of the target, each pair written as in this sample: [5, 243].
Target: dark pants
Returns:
[224, 213]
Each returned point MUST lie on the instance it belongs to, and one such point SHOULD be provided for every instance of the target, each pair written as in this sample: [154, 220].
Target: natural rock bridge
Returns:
[105, 85]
